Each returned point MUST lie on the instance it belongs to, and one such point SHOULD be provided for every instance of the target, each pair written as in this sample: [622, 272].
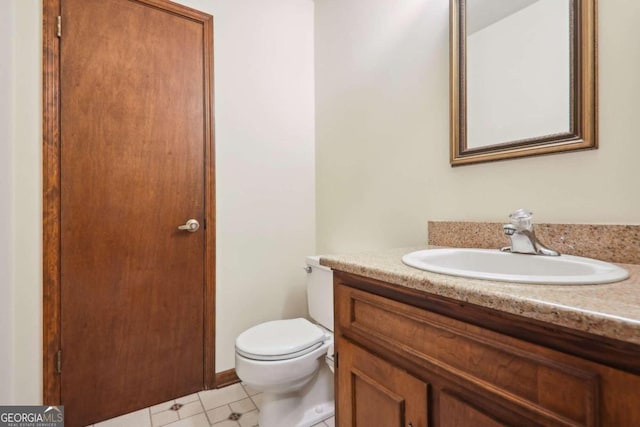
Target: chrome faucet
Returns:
[523, 238]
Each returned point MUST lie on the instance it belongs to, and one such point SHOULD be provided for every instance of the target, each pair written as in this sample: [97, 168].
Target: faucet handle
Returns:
[509, 229]
[521, 219]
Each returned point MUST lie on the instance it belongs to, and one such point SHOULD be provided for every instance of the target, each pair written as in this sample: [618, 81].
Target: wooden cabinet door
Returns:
[455, 412]
[374, 393]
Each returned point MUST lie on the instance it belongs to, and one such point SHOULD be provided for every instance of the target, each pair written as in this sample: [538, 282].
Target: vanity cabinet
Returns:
[381, 394]
[402, 362]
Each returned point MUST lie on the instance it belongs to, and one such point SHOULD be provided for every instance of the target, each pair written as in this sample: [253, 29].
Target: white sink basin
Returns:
[492, 264]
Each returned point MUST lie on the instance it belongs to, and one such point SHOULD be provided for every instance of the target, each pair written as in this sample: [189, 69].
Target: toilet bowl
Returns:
[289, 360]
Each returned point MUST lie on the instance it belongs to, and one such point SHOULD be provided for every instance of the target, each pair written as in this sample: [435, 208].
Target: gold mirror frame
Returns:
[583, 133]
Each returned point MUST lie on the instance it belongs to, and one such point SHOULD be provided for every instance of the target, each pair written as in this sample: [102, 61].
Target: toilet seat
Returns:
[280, 340]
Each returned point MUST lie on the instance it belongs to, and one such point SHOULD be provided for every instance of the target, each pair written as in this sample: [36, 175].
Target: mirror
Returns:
[523, 78]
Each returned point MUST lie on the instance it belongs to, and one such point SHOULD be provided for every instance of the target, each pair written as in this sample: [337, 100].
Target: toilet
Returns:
[291, 361]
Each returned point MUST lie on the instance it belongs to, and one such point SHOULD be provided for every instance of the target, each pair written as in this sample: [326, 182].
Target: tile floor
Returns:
[233, 406]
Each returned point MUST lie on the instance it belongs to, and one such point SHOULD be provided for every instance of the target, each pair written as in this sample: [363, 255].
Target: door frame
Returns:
[51, 256]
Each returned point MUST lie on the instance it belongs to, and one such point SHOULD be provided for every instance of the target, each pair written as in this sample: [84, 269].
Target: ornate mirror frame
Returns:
[583, 133]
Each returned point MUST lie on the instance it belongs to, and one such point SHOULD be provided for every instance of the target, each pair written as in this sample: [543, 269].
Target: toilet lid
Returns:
[279, 339]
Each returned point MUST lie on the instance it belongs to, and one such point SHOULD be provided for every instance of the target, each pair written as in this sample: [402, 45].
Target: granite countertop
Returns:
[609, 310]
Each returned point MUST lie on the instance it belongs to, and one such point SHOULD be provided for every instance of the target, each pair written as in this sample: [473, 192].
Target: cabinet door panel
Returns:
[374, 393]
[457, 413]
[373, 403]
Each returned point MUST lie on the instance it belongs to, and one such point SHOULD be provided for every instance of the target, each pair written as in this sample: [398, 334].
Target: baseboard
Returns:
[226, 378]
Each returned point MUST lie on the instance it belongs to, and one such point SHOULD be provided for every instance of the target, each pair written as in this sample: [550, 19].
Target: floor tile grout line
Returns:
[229, 403]
[205, 409]
[180, 415]
[244, 388]
[249, 394]
[172, 401]
[254, 402]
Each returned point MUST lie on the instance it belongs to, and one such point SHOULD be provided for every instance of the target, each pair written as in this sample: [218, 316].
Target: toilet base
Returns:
[304, 408]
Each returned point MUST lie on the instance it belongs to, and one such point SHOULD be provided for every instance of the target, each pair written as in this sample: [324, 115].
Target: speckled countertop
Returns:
[610, 310]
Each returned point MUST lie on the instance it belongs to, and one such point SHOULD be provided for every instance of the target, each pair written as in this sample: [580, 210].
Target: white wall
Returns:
[265, 175]
[6, 136]
[518, 76]
[264, 161]
[27, 195]
[382, 136]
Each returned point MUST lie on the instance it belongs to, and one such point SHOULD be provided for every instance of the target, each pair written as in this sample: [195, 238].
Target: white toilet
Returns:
[291, 361]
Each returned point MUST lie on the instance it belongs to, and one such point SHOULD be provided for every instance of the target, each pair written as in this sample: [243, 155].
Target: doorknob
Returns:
[191, 226]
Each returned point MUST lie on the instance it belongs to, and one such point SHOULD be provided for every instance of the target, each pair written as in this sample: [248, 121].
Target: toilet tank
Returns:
[320, 292]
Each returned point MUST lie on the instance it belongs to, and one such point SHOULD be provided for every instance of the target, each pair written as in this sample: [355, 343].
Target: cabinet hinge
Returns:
[59, 26]
[59, 362]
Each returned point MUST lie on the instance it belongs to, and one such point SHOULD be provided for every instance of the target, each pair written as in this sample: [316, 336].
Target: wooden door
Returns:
[372, 392]
[135, 164]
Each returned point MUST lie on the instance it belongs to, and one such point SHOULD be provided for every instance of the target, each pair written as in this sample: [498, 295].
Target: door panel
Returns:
[457, 413]
[133, 138]
[375, 393]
